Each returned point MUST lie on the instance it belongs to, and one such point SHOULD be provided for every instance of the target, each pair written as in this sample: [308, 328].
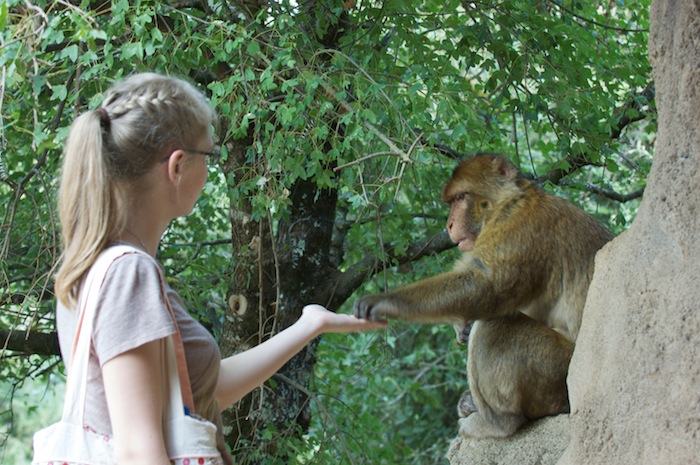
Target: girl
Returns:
[130, 168]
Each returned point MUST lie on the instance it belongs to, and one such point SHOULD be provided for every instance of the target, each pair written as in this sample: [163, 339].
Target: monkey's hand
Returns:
[377, 307]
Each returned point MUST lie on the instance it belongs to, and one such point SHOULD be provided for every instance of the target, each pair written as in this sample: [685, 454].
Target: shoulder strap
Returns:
[76, 384]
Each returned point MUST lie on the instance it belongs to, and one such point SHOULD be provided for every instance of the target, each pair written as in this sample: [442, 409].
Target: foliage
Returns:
[370, 100]
[25, 408]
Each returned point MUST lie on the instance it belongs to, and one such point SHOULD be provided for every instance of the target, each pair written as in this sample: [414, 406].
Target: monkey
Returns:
[521, 284]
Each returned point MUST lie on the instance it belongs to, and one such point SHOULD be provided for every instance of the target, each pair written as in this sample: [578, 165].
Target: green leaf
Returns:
[59, 92]
[71, 52]
[611, 165]
[253, 48]
[3, 16]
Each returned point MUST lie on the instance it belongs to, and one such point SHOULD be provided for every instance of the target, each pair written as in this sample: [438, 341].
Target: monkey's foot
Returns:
[466, 405]
[477, 425]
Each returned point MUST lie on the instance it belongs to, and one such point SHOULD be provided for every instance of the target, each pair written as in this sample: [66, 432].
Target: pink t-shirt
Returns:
[130, 313]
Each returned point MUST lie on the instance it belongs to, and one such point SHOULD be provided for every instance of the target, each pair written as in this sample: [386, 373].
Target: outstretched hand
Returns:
[330, 322]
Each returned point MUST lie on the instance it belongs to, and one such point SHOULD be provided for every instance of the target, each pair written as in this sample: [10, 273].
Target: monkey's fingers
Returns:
[362, 309]
[373, 308]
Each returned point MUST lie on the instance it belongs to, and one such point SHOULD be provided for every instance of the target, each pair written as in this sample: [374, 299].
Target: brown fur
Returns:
[524, 275]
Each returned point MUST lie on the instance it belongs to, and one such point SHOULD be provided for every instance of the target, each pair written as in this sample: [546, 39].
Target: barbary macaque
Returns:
[521, 283]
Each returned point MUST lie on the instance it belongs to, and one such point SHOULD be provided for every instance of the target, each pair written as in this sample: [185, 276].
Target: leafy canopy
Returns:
[372, 100]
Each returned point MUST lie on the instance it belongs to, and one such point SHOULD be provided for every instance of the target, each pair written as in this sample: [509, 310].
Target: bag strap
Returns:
[179, 348]
[76, 384]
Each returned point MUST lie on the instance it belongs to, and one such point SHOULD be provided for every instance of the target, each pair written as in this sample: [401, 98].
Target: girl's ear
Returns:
[175, 163]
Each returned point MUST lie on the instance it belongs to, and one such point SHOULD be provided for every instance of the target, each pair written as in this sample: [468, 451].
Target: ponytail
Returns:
[84, 201]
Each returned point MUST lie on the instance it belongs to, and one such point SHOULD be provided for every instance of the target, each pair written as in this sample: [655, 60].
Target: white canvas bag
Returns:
[189, 440]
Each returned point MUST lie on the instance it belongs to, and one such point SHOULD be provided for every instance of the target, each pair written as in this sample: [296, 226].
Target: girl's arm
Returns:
[243, 372]
[133, 387]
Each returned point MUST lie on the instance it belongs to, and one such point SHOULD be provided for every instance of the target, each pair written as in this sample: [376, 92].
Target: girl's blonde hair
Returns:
[108, 149]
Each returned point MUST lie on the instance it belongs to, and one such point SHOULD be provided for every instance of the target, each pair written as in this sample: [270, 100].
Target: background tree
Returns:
[340, 122]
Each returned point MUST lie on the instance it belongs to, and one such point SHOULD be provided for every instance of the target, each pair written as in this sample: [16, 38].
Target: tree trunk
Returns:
[274, 278]
[272, 281]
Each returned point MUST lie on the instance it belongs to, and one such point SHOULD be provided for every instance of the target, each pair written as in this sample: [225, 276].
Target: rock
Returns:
[634, 381]
[540, 443]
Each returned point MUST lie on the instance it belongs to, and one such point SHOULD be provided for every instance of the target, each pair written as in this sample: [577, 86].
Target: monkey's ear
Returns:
[505, 168]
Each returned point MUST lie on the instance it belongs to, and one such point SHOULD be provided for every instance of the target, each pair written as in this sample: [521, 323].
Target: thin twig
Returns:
[322, 407]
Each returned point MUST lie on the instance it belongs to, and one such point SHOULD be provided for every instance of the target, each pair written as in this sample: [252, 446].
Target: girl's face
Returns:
[194, 173]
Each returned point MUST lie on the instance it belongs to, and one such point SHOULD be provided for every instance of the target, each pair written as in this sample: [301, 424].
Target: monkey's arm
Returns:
[453, 297]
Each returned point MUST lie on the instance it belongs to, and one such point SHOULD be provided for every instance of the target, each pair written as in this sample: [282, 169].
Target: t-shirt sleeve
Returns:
[130, 308]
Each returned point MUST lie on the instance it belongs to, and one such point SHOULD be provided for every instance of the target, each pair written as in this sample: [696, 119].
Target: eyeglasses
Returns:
[214, 154]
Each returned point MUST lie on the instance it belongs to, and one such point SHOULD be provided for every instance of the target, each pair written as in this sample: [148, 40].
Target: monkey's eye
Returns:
[461, 197]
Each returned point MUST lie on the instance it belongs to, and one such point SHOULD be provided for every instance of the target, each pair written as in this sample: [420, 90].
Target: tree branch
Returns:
[29, 342]
[351, 279]
[611, 194]
[640, 103]
[555, 175]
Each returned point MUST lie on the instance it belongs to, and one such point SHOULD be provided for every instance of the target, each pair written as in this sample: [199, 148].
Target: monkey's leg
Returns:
[489, 420]
[517, 372]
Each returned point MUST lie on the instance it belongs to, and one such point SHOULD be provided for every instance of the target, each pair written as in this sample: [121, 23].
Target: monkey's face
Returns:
[477, 186]
[467, 215]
